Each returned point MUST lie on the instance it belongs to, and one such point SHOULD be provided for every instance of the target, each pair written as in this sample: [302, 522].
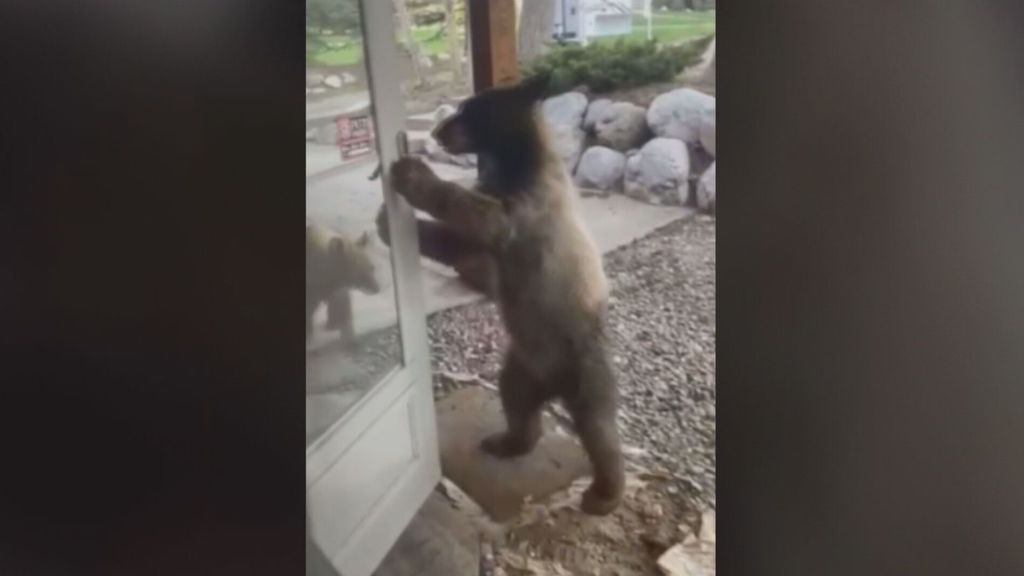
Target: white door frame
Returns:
[369, 473]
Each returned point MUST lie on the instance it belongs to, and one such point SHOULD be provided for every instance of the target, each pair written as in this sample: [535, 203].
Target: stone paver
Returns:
[500, 486]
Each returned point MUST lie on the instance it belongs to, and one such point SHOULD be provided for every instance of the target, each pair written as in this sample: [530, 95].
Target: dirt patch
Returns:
[555, 538]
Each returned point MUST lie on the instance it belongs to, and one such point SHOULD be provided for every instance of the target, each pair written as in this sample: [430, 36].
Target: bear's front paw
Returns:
[411, 178]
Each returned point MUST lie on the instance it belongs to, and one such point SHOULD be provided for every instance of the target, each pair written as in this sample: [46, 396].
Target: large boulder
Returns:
[564, 116]
[622, 126]
[443, 111]
[601, 169]
[707, 134]
[333, 81]
[678, 114]
[595, 111]
[706, 190]
[700, 161]
[659, 172]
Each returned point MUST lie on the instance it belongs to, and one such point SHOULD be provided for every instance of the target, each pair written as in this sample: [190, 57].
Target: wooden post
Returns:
[492, 32]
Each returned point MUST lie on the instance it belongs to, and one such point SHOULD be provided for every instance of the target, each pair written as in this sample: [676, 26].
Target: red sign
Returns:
[355, 136]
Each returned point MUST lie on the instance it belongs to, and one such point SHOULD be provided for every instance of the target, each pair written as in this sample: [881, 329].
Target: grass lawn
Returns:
[670, 27]
[667, 28]
[348, 50]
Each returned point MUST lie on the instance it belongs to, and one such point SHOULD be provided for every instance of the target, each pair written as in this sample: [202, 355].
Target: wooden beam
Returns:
[492, 33]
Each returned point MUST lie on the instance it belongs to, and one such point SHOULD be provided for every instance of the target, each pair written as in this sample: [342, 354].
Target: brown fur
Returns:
[334, 266]
[443, 244]
[551, 288]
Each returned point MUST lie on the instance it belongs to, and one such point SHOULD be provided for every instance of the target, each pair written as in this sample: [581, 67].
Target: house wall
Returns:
[610, 24]
[569, 17]
[590, 20]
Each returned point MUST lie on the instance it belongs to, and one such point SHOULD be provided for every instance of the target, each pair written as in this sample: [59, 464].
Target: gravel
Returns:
[662, 324]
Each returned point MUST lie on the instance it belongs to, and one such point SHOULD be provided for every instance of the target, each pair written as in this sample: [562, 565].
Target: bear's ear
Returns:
[363, 240]
[535, 87]
[336, 247]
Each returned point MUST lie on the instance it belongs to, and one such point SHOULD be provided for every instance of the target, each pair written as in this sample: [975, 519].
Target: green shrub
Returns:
[604, 67]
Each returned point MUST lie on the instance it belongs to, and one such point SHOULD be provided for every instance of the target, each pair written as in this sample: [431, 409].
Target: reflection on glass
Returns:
[352, 334]
[353, 338]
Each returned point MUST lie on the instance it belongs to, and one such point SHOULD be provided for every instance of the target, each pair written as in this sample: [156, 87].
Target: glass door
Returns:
[371, 445]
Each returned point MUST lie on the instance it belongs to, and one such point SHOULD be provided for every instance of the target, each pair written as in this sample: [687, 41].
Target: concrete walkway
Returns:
[348, 202]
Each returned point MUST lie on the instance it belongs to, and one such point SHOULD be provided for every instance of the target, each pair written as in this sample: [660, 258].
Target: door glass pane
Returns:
[353, 341]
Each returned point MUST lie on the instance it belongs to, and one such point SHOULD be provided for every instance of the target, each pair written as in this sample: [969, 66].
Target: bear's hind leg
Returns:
[522, 397]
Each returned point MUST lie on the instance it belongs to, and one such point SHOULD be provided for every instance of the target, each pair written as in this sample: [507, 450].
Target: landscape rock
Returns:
[595, 111]
[314, 80]
[695, 555]
[678, 114]
[631, 177]
[700, 161]
[659, 173]
[601, 168]
[707, 134]
[706, 190]
[443, 111]
[564, 116]
[348, 78]
[333, 81]
[622, 126]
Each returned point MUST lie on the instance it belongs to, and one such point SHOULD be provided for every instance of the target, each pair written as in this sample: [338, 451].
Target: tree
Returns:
[338, 16]
[407, 39]
[335, 16]
[536, 27]
[454, 47]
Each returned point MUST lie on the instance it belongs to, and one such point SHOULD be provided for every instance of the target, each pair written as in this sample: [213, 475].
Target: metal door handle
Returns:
[402, 142]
